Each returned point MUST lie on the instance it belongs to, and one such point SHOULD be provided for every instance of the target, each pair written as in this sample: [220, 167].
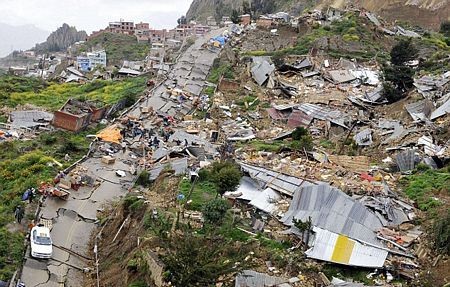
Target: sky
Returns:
[91, 15]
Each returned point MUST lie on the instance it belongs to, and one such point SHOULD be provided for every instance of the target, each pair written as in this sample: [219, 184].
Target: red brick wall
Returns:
[246, 20]
[70, 122]
[228, 85]
[264, 23]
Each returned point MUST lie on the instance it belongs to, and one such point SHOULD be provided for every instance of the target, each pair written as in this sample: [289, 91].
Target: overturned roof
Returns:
[405, 160]
[441, 111]
[332, 247]
[333, 210]
[75, 72]
[262, 68]
[262, 199]
[341, 76]
[420, 110]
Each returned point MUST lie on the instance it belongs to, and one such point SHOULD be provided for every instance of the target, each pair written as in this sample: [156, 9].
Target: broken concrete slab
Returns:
[30, 119]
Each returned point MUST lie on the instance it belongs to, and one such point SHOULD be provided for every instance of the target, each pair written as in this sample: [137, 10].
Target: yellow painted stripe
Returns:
[342, 250]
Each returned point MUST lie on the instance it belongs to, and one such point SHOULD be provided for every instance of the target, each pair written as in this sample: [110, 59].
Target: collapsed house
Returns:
[345, 230]
[76, 115]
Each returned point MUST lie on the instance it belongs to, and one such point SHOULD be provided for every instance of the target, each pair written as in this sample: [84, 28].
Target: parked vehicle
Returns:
[41, 242]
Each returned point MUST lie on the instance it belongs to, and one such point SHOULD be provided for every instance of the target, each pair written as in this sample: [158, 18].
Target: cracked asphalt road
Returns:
[74, 219]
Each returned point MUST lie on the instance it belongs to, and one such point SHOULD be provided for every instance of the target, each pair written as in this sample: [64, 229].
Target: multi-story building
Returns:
[142, 26]
[157, 36]
[97, 58]
[121, 27]
[200, 30]
[83, 63]
[91, 60]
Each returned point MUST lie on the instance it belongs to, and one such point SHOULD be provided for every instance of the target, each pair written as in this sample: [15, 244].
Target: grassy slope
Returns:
[25, 164]
[18, 91]
[118, 47]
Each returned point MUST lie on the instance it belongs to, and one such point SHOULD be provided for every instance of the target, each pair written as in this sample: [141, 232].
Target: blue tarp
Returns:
[222, 40]
[26, 194]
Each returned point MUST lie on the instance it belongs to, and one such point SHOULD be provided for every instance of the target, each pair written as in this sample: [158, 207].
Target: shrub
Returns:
[442, 234]
[215, 210]
[227, 179]
[302, 140]
[299, 132]
[445, 28]
[225, 175]
[143, 179]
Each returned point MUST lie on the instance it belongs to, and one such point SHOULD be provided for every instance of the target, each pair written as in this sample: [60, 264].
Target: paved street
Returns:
[74, 219]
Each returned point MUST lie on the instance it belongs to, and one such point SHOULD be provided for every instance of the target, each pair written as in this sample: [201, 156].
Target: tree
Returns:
[235, 18]
[192, 260]
[227, 179]
[398, 76]
[299, 132]
[226, 175]
[301, 140]
[303, 227]
[445, 28]
[182, 20]
[246, 8]
[403, 52]
[215, 210]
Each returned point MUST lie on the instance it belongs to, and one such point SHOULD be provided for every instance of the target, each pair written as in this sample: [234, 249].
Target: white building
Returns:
[97, 58]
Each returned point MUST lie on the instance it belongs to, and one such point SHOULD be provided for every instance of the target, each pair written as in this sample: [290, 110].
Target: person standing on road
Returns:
[18, 213]
[124, 147]
[31, 195]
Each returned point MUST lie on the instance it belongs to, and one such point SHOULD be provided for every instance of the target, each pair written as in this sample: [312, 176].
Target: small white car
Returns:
[41, 242]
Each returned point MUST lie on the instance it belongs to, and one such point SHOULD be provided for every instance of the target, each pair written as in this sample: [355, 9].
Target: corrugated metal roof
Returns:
[332, 247]
[299, 119]
[283, 183]
[373, 19]
[324, 114]
[249, 190]
[261, 70]
[420, 110]
[441, 111]
[333, 210]
[405, 160]
[375, 95]
[341, 76]
[276, 115]
[429, 147]
[129, 71]
[285, 107]
[249, 278]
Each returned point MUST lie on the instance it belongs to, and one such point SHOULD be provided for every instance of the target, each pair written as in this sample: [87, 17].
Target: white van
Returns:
[41, 242]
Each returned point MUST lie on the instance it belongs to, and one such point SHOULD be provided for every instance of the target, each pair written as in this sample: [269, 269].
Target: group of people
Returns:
[134, 129]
